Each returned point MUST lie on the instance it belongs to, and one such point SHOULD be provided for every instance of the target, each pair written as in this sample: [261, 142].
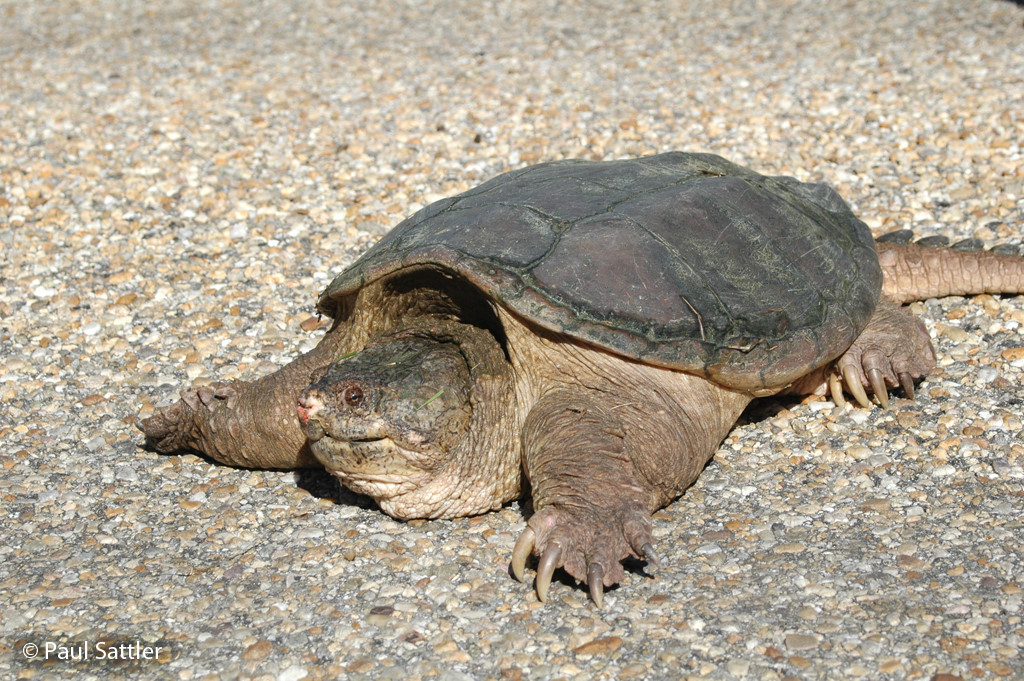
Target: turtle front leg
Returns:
[590, 510]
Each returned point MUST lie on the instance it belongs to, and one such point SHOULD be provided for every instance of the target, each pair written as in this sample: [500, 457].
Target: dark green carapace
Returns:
[683, 260]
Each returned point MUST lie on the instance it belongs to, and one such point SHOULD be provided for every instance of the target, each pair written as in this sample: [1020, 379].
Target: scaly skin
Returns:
[605, 443]
[911, 272]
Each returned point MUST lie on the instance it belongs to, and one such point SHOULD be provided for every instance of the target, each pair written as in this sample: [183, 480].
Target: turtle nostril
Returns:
[308, 406]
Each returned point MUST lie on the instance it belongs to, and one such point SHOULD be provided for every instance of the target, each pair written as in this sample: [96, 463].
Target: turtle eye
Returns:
[352, 396]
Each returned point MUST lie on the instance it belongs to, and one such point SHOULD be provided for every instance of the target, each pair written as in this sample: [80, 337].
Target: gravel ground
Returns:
[179, 179]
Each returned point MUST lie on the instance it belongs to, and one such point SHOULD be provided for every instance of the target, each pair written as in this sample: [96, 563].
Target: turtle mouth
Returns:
[366, 455]
[346, 451]
[376, 466]
[316, 430]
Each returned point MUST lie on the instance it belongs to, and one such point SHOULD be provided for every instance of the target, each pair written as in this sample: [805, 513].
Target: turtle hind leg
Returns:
[894, 350]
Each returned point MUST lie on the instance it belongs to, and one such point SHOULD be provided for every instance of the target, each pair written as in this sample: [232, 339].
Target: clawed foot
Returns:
[177, 426]
[872, 371]
[893, 351]
[590, 546]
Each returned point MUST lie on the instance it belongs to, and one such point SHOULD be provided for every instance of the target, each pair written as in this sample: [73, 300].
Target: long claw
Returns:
[878, 387]
[855, 387]
[907, 382]
[523, 549]
[651, 556]
[595, 579]
[551, 560]
[837, 390]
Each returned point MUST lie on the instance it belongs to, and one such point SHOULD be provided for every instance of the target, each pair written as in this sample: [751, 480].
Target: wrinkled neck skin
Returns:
[419, 418]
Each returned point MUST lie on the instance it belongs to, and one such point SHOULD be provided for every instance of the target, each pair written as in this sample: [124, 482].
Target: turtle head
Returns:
[385, 420]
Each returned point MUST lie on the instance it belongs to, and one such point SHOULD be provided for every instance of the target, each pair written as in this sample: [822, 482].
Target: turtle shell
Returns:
[681, 260]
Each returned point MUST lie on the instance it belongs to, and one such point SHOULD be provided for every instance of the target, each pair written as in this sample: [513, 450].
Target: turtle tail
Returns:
[915, 272]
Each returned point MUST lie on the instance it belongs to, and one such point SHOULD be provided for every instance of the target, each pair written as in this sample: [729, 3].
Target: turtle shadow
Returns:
[322, 485]
[766, 408]
[316, 481]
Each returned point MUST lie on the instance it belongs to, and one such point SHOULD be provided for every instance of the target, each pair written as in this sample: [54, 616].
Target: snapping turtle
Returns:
[591, 330]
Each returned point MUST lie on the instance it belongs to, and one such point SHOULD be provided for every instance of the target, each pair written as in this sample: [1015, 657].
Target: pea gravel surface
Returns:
[178, 180]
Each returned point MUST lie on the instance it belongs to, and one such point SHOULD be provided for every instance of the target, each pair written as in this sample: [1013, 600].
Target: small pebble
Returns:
[801, 642]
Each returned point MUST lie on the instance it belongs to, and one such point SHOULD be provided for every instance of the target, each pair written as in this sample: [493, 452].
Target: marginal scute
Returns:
[970, 245]
[681, 260]
[900, 236]
[936, 241]
[1007, 249]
